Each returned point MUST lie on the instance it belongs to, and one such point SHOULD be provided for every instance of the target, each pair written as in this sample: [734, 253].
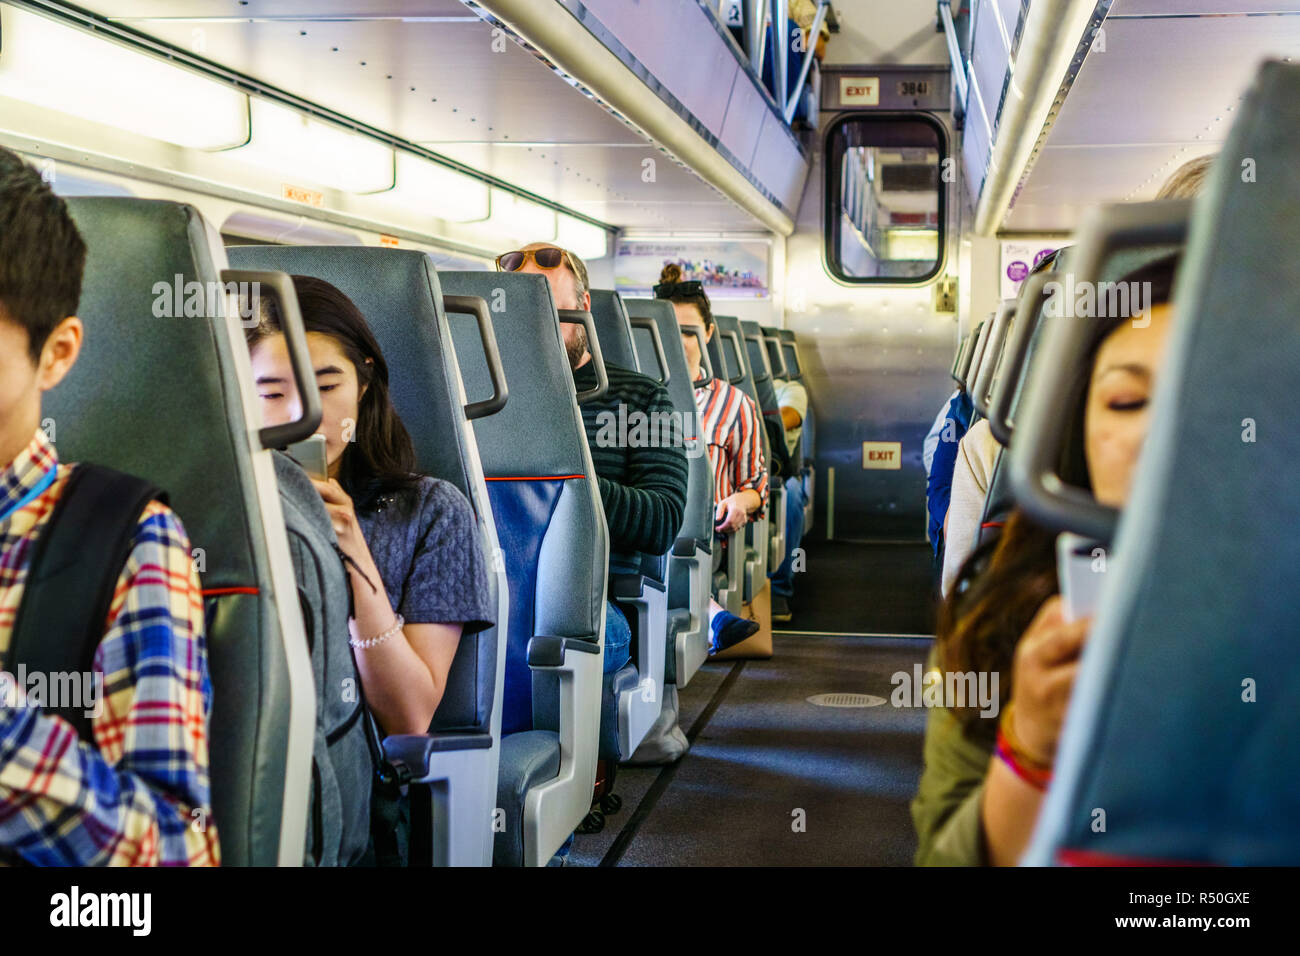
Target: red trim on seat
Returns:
[534, 477]
[992, 524]
[217, 592]
[1093, 858]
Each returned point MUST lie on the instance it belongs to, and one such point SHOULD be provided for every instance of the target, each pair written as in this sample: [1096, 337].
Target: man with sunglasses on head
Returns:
[642, 483]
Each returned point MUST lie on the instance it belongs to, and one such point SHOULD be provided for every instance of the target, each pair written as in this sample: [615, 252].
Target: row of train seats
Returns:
[1167, 719]
[751, 357]
[480, 378]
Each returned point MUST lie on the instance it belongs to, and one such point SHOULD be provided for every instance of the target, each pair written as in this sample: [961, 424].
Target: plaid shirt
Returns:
[730, 424]
[140, 796]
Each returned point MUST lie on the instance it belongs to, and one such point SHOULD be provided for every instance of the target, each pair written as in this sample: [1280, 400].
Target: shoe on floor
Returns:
[780, 609]
[729, 630]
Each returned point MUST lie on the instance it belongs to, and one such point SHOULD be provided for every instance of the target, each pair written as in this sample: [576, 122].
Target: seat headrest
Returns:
[397, 290]
[156, 372]
[736, 356]
[539, 432]
[615, 333]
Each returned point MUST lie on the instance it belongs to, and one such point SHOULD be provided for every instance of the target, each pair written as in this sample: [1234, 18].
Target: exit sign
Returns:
[882, 454]
[859, 91]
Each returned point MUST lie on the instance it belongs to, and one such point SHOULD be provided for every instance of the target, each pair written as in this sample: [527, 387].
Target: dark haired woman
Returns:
[417, 572]
[730, 425]
[984, 779]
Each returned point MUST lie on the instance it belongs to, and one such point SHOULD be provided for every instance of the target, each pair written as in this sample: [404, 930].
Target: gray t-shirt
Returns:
[425, 542]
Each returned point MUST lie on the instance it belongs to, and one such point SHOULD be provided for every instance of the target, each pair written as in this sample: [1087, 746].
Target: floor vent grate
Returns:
[846, 700]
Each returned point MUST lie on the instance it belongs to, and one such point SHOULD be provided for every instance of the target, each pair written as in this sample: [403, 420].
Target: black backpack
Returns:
[73, 574]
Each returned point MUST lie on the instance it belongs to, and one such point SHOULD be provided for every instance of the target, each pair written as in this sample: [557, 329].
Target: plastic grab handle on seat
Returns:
[967, 356]
[992, 356]
[295, 336]
[739, 345]
[579, 317]
[1051, 391]
[477, 306]
[651, 326]
[784, 373]
[1029, 310]
[706, 366]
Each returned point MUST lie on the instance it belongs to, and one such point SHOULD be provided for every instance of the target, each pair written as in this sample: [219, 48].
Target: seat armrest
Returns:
[631, 586]
[568, 670]
[686, 547]
[544, 651]
[415, 751]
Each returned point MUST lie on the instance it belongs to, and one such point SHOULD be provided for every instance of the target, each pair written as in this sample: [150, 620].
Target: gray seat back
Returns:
[697, 522]
[540, 479]
[790, 351]
[168, 395]
[775, 357]
[1181, 724]
[761, 367]
[397, 291]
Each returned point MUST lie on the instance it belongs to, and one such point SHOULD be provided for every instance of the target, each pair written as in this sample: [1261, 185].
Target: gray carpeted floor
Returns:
[772, 779]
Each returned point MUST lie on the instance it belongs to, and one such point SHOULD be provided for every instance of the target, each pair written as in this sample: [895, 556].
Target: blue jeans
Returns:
[783, 578]
[618, 638]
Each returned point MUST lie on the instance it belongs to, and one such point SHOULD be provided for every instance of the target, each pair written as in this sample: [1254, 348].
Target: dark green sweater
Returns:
[640, 461]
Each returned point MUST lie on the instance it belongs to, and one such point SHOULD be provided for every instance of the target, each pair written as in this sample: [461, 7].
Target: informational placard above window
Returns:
[729, 270]
[1021, 255]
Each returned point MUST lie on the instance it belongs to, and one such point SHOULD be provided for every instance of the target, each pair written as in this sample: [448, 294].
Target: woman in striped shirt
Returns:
[730, 424]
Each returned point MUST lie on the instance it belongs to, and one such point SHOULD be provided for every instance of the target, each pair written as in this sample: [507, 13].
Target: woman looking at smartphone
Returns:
[410, 542]
[984, 778]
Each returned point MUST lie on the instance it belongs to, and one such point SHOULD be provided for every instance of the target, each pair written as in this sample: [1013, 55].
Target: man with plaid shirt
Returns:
[139, 796]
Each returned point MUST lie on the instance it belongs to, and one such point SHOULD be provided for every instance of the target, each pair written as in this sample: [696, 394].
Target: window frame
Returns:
[832, 179]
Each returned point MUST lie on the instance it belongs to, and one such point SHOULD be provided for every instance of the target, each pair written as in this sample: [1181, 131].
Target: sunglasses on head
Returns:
[547, 257]
[665, 289]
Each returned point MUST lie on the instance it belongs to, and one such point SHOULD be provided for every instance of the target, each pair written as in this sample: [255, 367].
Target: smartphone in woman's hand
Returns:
[310, 454]
[1080, 570]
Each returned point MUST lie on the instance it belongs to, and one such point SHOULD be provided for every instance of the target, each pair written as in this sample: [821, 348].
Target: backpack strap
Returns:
[76, 562]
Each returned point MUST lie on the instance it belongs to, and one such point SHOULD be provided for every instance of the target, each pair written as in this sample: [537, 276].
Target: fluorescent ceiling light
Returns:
[517, 218]
[426, 189]
[62, 68]
[582, 238]
[300, 148]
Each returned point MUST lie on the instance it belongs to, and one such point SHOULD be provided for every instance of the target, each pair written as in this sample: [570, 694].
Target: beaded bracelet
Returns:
[1010, 752]
[366, 645]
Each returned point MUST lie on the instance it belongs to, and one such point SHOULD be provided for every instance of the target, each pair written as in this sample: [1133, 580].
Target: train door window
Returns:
[884, 214]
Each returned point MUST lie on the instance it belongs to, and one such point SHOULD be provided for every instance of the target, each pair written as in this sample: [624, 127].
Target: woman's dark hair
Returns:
[1005, 581]
[381, 458]
[672, 288]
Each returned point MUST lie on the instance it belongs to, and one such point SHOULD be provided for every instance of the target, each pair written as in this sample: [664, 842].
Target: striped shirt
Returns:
[140, 795]
[730, 424]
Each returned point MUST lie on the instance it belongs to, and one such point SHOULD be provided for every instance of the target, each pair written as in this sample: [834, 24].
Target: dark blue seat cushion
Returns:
[522, 508]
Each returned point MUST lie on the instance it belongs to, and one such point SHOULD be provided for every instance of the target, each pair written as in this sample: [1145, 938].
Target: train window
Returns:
[884, 214]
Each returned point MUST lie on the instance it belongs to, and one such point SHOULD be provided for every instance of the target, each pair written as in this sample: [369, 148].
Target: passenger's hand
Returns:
[343, 518]
[1042, 677]
[730, 515]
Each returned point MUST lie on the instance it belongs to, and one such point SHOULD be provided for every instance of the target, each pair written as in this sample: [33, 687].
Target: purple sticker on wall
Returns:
[1042, 254]
[1017, 271]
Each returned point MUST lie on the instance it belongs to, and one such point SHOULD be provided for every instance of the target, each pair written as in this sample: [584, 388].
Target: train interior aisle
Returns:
[801, 758]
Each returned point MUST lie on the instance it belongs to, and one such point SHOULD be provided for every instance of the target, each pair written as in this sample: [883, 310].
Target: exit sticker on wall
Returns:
[882, 454]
